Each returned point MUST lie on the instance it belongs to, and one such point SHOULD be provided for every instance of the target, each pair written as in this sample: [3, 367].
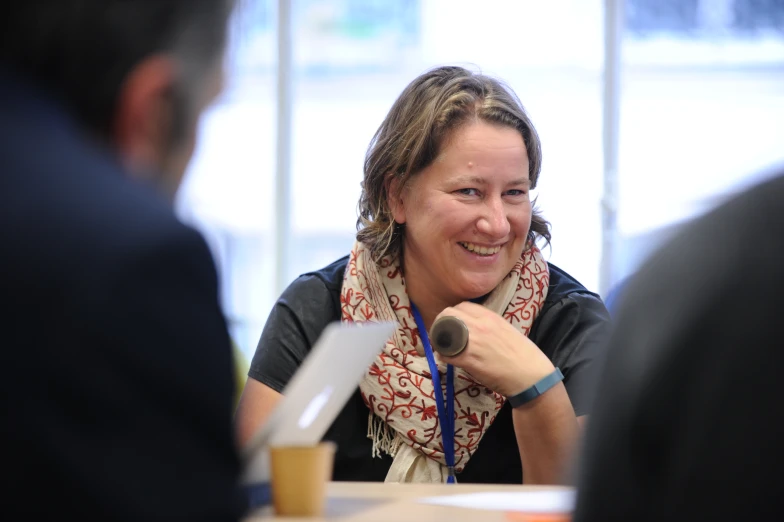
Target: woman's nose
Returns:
[494, 222]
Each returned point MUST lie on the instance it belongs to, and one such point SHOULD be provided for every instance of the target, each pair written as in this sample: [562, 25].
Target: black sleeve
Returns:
[573, 333]
[159, 388]
[293, 327]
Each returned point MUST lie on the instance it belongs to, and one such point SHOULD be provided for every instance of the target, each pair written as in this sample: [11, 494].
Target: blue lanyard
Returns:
[446, 415]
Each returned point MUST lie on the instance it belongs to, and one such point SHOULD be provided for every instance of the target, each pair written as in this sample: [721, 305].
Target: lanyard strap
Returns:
[446, 413]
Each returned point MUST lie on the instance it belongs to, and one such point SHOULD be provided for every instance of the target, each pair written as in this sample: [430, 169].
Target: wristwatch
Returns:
[536, 390]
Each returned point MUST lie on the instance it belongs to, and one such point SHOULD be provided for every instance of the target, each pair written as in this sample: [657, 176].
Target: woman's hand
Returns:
[498, 355]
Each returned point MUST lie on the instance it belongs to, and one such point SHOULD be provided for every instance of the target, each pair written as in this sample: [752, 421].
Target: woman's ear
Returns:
[395, 199]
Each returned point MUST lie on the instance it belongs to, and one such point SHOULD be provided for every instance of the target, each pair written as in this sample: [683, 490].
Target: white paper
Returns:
[542, 501]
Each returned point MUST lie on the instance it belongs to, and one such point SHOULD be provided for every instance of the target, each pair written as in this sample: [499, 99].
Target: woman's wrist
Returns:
[526, 376]
[546, 430]
[535, 390]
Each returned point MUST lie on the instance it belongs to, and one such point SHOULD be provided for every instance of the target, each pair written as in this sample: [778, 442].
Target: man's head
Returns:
[135, 74]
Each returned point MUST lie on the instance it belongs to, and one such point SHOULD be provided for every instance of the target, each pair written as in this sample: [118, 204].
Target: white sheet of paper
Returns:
[544, 501]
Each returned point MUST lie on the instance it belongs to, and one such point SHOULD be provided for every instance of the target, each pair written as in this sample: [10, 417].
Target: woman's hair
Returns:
[428, 111]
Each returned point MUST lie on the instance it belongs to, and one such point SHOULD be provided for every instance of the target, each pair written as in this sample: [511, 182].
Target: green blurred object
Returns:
[241, 368]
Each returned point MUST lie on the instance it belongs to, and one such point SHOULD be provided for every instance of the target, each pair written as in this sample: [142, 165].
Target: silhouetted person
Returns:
[117, 376]
[686, 422]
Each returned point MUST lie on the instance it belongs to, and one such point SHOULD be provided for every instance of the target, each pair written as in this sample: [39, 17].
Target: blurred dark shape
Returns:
[685, 422]
[117, 378]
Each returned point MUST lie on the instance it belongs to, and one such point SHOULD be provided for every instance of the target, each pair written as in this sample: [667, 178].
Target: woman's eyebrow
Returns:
[479, 180]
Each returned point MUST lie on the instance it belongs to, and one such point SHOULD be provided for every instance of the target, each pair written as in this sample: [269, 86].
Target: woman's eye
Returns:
[516, 192]
[467, 192]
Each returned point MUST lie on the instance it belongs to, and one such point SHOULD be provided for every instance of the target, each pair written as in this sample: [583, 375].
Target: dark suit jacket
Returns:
[687, 423]
[117, 376]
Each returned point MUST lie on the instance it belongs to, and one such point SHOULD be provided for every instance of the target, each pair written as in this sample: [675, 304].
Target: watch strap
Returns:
[536, 390]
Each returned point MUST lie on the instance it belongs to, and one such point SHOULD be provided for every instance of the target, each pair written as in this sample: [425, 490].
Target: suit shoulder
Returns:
[73, 215]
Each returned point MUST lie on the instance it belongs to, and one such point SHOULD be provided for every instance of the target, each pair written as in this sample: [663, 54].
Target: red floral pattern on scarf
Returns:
[398, 387]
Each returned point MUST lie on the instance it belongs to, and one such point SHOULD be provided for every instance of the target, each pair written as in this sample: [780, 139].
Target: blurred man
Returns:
[117, 377]
[686, 424]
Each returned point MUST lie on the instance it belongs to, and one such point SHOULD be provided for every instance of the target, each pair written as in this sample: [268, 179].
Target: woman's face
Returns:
[467, 215]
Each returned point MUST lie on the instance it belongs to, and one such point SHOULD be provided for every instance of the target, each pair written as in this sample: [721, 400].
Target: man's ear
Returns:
[144, 113]
[395, 194]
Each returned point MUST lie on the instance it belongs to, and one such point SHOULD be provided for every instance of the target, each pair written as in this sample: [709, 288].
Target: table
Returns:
[379, 502]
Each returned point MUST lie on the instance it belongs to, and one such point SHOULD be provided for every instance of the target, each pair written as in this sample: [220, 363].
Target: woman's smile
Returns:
[483, 251]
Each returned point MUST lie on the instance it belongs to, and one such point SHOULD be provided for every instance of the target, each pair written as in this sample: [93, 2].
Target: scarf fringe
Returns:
[384, 438]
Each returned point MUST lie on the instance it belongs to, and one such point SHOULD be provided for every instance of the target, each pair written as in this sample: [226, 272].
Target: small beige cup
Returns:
[299, 478]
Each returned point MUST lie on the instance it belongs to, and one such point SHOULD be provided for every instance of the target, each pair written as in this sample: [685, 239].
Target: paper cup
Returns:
[299, 478]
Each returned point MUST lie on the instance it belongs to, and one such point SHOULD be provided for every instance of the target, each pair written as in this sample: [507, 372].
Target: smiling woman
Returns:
[447, 228]
[466, 217]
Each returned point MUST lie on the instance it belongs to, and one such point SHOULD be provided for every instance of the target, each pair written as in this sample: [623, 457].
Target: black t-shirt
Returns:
[571, 330]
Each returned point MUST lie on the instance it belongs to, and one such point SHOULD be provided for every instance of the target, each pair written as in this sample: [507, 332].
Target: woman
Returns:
[447, 228]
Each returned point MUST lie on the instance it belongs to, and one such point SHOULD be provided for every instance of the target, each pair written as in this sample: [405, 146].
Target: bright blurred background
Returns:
[275, 180]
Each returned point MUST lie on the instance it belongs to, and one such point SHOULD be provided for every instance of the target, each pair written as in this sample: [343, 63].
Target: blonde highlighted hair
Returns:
[423, 117]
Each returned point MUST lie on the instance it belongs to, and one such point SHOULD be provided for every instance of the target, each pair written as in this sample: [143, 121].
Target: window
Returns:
[352, 60]
[702, 111]
[702, 114]
[228, 190]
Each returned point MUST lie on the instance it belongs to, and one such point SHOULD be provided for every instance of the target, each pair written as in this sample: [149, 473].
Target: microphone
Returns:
[449, 335]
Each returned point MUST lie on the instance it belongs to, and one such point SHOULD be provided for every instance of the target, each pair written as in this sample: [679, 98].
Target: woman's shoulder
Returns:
[563, 286]
[317, 292]
[305, 308]
[570, 316]
[572, 330]
[323, 283]
[331, 275]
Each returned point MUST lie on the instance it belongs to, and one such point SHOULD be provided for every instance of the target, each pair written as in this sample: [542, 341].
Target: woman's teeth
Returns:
[482, 251]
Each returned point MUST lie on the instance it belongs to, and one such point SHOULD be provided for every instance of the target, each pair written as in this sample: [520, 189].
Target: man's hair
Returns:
[426, 114]
[80, 51]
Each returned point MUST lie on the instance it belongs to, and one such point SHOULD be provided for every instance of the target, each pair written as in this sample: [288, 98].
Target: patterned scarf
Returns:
[398, 389]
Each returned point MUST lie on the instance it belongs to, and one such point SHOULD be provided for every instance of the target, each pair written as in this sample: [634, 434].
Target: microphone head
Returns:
[449, 335]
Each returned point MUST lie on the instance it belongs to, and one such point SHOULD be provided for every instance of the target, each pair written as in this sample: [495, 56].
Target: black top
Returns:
[570, 330]
[688, 418]
[117, 379]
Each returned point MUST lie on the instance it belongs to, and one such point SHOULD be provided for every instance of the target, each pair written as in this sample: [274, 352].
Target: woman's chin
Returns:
[476, 289]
